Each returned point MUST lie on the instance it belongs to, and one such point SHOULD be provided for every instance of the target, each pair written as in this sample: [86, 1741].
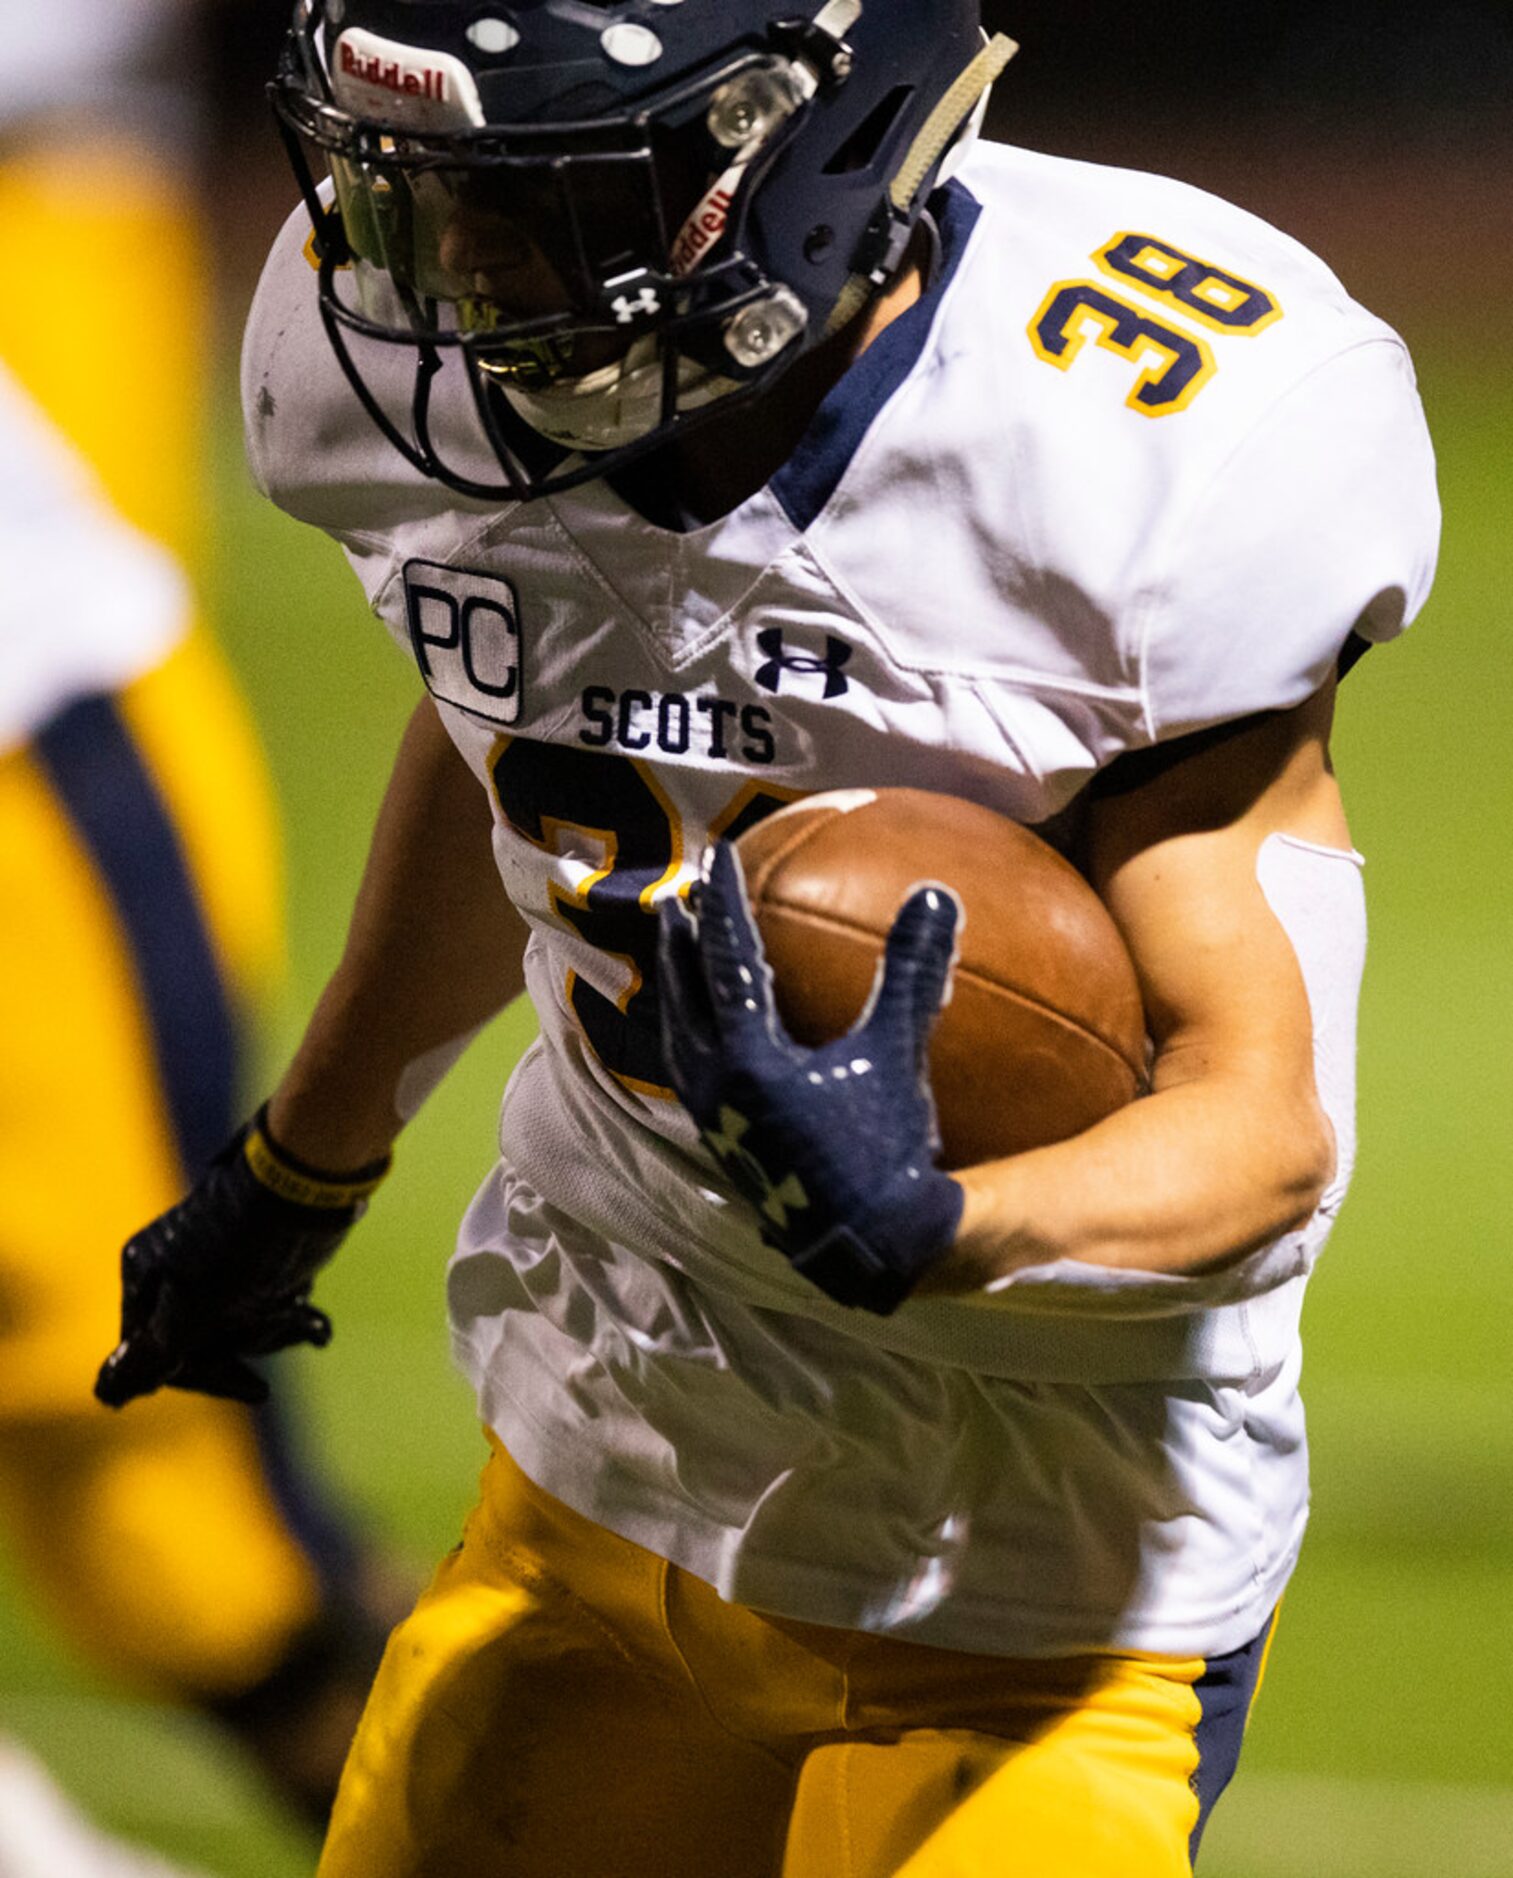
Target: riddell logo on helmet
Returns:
[704, 227]
[407, 81]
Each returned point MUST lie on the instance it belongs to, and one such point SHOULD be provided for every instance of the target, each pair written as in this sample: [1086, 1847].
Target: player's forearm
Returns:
[433, 951]
[1232, 1148]
[1183, 1181]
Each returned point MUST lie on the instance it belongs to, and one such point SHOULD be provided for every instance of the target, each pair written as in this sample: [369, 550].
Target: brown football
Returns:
[1044, 1033]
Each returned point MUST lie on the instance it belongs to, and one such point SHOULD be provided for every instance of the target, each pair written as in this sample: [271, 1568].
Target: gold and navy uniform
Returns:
[140, 930]
[981, 1587]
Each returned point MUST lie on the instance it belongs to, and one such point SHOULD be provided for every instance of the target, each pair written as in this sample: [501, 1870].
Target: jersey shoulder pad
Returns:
[311, 446]
[1323, 522]
[1218, 448]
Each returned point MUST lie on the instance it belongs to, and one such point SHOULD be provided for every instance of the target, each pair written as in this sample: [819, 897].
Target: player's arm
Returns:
[833, 1146]
[1231, 1148]
[434, 950]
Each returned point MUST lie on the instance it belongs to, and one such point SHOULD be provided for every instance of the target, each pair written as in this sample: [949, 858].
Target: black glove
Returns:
[226, 1274]
[834, 1147]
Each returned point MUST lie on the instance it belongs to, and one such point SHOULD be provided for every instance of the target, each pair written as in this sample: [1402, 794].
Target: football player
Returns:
[184, 1553]
[714, 423]
[42, 1834]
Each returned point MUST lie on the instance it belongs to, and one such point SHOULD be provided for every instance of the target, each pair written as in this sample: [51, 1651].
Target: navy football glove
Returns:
[834, 1147]
[226, 1274]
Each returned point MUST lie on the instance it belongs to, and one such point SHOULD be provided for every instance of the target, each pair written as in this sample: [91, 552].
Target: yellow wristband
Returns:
[289, 1183]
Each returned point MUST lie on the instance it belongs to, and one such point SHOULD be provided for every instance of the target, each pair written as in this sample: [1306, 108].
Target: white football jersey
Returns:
[76, 54]
[87, 603]
[1135, 465]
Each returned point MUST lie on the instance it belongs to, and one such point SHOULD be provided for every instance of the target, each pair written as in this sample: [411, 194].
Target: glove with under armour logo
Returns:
[226, 1274]
[834, 1147]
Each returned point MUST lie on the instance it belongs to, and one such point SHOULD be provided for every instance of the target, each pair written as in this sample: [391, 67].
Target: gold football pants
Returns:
[152, 1536]
[564, 1704]
[177, 1544]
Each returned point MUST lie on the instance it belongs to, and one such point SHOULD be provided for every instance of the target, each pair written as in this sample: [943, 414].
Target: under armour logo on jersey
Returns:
[832, 665]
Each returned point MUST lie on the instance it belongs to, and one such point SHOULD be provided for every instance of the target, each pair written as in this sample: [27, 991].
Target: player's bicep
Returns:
[1176, 859]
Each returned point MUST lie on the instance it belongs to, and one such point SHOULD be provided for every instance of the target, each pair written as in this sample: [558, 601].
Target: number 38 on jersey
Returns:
[1159, 295]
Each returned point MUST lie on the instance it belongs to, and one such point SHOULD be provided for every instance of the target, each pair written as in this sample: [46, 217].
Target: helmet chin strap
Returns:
[619, 403]
[958, 115]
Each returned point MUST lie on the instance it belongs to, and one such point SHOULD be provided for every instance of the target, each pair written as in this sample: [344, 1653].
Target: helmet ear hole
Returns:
[861, 148]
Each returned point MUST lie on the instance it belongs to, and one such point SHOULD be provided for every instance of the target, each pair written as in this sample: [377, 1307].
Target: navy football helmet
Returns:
[616, 214]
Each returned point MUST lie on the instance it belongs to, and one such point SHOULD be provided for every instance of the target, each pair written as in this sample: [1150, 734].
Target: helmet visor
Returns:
[528, 232]
[526, 248]
[531, 237]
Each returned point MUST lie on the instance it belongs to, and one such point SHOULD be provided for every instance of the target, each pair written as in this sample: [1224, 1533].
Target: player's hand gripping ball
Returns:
[226, 1274]
[1045, 1031]
[834, 1146]
[798, 965]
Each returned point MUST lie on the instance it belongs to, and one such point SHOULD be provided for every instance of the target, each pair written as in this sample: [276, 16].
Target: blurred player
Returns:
[715, 424]
[185, 1553]
[43, 1836]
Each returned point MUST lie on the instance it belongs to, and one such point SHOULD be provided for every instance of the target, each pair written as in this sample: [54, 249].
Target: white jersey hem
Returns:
[806, 1591]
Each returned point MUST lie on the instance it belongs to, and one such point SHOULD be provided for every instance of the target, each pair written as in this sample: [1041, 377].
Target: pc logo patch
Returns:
[465, 634]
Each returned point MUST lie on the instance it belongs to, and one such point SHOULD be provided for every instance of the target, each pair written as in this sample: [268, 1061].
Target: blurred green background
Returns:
[1383, 1744]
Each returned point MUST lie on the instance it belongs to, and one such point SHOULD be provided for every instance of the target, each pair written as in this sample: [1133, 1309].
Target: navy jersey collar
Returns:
[810, 477]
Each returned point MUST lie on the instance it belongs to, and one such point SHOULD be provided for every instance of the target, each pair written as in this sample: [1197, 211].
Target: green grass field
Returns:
[1382, 1746]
